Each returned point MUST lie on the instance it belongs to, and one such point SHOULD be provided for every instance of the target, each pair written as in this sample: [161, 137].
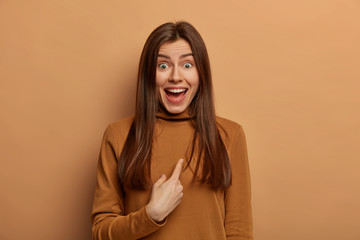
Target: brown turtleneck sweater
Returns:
[203, 213]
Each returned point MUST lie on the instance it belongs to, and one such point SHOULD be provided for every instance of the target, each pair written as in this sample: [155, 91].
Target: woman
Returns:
[174, 170]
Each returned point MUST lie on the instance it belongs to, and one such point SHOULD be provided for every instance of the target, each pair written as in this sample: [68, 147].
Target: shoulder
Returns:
[121, 125]
[229, 126]
[229, 130]
[119, 130]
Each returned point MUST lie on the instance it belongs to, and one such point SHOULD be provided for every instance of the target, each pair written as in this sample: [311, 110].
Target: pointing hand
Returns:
[165, 195]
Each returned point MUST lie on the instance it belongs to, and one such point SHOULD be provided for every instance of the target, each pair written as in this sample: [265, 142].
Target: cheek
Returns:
[160, 95]
[192, 78]
[196, 90]
[160, 79]
[195, 82]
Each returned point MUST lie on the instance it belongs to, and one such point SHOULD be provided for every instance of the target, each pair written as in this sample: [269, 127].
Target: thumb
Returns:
[161, 180]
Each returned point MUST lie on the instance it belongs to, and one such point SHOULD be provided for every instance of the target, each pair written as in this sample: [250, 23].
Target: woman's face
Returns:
[177, 78]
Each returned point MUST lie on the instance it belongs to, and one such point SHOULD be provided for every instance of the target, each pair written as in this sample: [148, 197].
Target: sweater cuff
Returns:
[160, 224]
[138, 225]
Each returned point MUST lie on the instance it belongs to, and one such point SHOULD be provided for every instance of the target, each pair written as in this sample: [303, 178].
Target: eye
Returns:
[163, 66]
[188, 65]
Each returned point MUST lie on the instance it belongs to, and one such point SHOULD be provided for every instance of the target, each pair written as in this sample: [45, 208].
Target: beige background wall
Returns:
[288, 71]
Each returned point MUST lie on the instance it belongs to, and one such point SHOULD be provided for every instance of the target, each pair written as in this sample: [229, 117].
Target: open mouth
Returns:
[175, 95]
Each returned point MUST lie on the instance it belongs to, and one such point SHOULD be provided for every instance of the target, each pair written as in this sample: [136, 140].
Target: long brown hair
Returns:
[213, 166]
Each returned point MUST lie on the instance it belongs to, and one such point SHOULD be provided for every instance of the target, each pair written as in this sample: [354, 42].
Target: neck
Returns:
[165, 115]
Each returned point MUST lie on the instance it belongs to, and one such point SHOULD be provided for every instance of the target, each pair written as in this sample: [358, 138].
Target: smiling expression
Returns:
[177, 78]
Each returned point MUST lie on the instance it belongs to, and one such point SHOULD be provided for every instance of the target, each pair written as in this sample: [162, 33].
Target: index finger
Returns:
[177, 170]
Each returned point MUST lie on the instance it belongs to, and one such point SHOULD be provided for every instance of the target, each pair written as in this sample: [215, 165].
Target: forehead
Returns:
[178, 47]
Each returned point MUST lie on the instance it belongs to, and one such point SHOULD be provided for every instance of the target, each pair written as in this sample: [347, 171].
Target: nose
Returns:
[175, 75]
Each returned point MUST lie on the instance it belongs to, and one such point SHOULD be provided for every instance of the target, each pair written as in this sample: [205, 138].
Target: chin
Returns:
[175, 110]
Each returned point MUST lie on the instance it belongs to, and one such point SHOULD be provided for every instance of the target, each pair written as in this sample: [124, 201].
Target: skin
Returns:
[175, 70]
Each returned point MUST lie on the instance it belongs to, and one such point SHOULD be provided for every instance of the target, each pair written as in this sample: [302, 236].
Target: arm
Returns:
[108, 218]
[238, 214]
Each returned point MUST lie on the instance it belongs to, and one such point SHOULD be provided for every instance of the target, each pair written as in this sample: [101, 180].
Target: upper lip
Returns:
[175, 88]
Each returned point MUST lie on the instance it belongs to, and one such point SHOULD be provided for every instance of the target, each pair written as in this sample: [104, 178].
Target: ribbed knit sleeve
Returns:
[108, 218]
[238, 213]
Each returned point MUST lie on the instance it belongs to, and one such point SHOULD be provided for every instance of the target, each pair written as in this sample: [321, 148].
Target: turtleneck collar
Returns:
[165, 115]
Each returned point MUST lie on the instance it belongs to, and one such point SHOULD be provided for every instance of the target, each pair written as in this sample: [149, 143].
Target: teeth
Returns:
[176, 90]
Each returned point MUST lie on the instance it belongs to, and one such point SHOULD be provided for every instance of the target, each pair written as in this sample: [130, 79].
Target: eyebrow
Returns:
[182, 56]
